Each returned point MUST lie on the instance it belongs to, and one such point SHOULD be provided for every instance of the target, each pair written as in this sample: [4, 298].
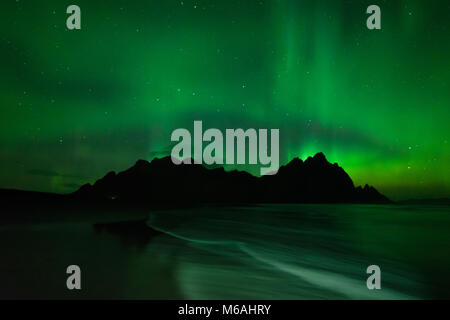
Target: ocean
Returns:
[248, 252]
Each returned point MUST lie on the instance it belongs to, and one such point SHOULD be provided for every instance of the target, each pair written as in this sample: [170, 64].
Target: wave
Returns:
[326, 280]
[347, 286]
[210, 242]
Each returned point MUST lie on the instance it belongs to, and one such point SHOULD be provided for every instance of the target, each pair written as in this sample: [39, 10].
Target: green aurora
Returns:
[77, 104]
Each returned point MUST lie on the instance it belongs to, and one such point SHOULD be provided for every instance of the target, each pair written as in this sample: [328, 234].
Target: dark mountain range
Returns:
[160, 182]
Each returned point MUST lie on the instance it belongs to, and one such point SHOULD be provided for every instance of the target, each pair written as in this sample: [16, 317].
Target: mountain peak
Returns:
[141, 163]
[320, 156]
[319, 159]
[296, 162]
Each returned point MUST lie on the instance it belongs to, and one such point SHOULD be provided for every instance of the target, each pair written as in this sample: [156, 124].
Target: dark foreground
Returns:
[257, 252]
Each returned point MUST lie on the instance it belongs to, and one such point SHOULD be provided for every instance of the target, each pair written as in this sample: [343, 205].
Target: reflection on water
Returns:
[261, 252]
[35, 258]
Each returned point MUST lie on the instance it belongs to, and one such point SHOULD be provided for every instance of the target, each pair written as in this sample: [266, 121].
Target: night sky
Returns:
[77, 104]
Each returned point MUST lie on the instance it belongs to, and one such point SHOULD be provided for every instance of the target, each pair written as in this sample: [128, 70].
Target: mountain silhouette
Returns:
[161, 182]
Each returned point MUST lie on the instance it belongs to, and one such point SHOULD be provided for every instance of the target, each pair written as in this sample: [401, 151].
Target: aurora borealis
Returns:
[77, 104]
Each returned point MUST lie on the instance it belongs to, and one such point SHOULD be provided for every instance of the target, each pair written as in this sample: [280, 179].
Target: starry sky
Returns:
[77, 104]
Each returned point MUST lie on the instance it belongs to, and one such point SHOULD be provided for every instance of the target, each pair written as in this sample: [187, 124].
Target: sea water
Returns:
[249, 252]
[309, 251]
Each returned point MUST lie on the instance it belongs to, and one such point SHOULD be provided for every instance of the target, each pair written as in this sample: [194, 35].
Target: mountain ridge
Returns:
[314, 180]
